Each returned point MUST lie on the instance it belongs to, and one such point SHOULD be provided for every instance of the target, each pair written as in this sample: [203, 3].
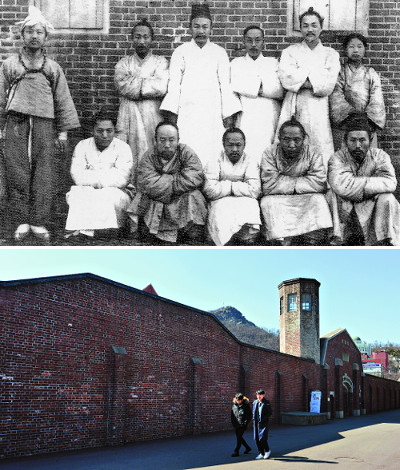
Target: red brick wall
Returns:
[380, 394]
[58, 371]
[62, 387]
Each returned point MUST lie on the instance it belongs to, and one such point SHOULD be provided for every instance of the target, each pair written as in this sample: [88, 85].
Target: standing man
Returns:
[36, 111]
[200, 97]
[169, 205]
[309, 70]
[362, 179]
[101, 167]
[255, 79]
[261, 412]
[141, 80]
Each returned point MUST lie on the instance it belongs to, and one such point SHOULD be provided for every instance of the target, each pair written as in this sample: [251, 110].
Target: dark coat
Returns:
[261, 424]
[241, 414]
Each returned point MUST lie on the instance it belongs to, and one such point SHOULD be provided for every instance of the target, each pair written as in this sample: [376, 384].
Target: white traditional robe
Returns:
[294, 202]
[321, 66]
[97, 201]
[260, 92]
[141, 84]
[233, 190]
[200, 93]
[367, 189]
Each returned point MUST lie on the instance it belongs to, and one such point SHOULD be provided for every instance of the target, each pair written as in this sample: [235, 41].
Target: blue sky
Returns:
[358, 286]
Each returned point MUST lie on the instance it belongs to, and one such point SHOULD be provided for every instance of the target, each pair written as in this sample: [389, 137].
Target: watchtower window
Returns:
[306, 302]
[292, 302]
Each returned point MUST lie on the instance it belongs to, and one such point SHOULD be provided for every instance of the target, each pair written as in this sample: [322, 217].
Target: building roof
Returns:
[297, 280]
[150, 289]
[333, 333]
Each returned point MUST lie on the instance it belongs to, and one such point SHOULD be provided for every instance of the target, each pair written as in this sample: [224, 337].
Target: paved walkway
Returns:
[367, 442]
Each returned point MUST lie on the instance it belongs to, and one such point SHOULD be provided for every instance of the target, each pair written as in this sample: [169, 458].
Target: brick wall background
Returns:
[89, 60]
[87, 362]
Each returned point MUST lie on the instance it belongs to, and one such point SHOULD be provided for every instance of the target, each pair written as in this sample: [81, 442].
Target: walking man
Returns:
[261, 413]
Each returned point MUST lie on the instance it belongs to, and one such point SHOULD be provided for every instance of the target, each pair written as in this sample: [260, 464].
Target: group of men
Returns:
[168, 167]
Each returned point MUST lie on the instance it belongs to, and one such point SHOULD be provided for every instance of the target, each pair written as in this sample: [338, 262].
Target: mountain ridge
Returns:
[245, 330]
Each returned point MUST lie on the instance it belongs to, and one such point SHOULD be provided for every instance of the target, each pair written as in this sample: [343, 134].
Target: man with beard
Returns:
[141, 80]
[233, 187]
[255, 79]
[363, 180]
[169, 207]
[309, 70]
[293, 176]
[200, 97]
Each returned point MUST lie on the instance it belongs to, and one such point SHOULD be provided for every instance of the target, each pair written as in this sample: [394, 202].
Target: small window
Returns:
[292, 302]
[281, 305]
[75, 15]
[345, 357]
[339, 15]
[306, 302]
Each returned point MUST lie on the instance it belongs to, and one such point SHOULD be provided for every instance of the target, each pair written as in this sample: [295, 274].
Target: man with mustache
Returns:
[233, 186]
[293, 177]
[362, 179]
[141, 80]
[169, 207]
[255, 79]
[200, 97]
[309, 70]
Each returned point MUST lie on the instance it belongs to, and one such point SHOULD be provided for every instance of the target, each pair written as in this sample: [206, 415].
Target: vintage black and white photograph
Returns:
[240, 123]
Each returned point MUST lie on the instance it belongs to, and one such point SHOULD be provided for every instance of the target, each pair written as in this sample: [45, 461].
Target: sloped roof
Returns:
[333, 333]
[150, 289]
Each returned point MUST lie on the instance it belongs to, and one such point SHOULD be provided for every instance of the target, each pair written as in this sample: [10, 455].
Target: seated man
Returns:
[169, 203]
[100, 168]
[233, 186]
[293, 176]
[362, 178]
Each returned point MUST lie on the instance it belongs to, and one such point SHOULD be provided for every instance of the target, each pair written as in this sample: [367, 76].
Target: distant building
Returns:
[375, 363]
[364, 348]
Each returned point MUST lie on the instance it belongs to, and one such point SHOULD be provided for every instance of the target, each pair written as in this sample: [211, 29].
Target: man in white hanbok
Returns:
[232, 186]
[200, 97]
[255, 79]
[309, 70]
[362, 178]
[100, 168]
[141, 80]
[294, 183]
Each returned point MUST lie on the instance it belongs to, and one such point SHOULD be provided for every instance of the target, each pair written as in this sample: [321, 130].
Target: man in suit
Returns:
[261, 413]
